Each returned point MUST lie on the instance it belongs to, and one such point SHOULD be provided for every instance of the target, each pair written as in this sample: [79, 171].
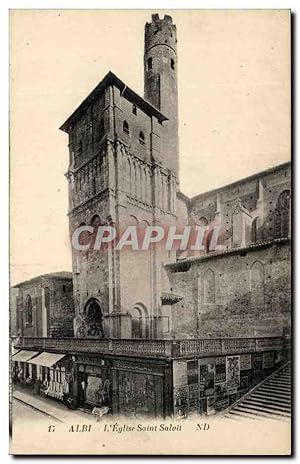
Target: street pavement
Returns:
[20, 411]
[48, 408]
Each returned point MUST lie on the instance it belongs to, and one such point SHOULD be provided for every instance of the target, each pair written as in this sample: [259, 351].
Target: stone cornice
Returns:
[219, 254]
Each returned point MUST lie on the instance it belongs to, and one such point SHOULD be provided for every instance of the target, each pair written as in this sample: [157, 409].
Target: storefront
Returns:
[44, 373]
[101, 383]
[124, 386]
[51, 375]
[23, 371]
[140, 389]
[93, 383]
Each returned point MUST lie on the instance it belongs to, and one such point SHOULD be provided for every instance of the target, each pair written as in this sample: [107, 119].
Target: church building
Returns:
[167, 332]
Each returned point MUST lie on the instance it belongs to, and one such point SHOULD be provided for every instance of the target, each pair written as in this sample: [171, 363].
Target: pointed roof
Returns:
[133, 97]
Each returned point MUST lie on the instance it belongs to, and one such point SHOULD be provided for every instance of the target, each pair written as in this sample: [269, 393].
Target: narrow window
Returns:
[126, 127]
[142, 138]
[134, 109]
[254, 231]
[257, 282]
[80, 147]
[95, 223]
[282, 214]
[101, 129]
[94, 186]
[172, 63]
[64, 288]
[209, 287]
[28, 310]
[149, 63]
[47, 297]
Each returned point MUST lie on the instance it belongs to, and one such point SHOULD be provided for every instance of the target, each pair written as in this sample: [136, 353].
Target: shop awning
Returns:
[24, 355]
[47, 359]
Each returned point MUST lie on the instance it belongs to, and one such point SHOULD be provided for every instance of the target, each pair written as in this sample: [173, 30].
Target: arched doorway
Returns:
[94, 318]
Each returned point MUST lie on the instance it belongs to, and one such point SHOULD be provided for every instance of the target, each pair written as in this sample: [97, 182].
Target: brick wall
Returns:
[244, 293]
[52, 315]
[61, 309]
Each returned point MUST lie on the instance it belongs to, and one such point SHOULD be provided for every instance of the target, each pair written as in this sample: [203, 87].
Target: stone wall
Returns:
[13, 312]
[61, 312]
[243, 293]
[45, 307]
[29, 295]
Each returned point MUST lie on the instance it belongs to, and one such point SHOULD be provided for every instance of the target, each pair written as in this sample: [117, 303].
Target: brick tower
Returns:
[123, 170]
[160, 81]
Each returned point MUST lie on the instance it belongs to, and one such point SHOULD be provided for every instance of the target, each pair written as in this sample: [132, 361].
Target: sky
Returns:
[234, 106]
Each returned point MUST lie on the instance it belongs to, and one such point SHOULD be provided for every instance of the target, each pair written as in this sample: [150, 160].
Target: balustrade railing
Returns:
[152, 348]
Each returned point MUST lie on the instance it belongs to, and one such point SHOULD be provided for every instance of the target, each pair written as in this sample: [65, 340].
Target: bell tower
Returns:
[160, 81]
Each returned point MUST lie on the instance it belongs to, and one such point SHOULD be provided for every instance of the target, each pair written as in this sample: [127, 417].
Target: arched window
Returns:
[149, 64]
[126, 127]
[142, 138]
[203, 222]
[257, 283]
[84, 237]
[93, 311]
[209, 287]
[134, 109]
[254, 230]
[209, 244]
[172, 63]
[101, 128]
[28, 310]
[95, 221]
[282, 214]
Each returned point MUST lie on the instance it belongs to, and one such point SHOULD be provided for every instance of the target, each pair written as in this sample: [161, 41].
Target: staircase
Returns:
[271, 399]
